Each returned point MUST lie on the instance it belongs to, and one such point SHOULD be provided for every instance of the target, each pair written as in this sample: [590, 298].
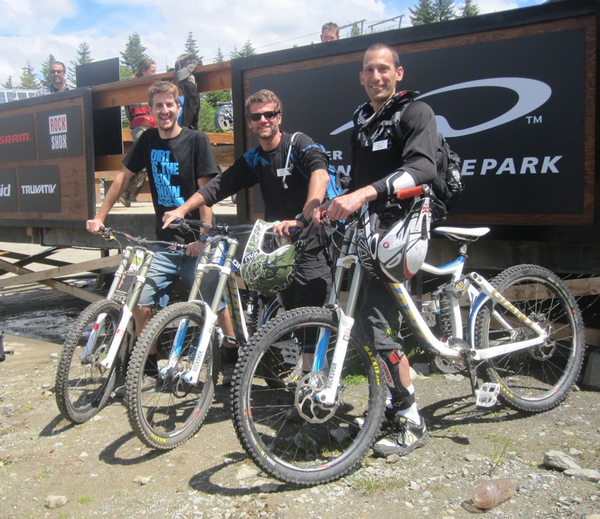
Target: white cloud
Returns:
[30, 30]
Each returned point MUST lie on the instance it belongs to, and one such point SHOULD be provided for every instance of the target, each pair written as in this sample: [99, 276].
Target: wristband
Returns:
[301, 219]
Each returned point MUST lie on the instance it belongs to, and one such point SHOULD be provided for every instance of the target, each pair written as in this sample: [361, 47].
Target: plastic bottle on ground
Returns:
[488, 493]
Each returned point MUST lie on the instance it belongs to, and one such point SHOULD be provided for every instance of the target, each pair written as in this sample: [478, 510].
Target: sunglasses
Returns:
[56, 71]
[267, 115]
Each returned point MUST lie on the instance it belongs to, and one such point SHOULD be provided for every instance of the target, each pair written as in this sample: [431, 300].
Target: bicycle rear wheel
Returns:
[282, 426]
[535, 379]
[171, 412]
[82, 384]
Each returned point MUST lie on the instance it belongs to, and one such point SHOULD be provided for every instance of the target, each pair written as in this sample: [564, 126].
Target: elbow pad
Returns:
[399, 180]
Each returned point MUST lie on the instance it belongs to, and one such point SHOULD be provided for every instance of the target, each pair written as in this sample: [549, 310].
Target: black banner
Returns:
[513, 109]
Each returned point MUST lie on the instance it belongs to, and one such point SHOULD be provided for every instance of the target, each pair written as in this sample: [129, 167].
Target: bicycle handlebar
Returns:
[219, 228]
[108, 233]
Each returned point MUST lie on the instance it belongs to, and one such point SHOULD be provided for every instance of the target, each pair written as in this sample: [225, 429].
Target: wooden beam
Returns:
[27, 276]
[216, 76]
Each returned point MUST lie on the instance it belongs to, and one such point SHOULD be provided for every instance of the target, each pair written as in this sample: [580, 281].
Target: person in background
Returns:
[58, 70]
[140, 119]
[330, 32]
[393, 142]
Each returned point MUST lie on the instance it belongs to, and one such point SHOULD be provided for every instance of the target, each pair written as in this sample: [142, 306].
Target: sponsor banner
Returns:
[517, 124]
[59, 133]
[8, 190]
[39, 189]
[17, 141]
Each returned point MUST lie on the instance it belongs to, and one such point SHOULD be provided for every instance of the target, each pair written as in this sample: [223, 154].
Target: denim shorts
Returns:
[164, 272]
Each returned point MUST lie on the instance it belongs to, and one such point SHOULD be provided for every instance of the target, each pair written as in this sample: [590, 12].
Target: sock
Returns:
[412, 413]
[231, 355]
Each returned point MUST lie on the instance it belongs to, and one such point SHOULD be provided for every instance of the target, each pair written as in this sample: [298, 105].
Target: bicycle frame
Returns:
[219, 254]
[132, 297]
[135, 262]
[479, 291]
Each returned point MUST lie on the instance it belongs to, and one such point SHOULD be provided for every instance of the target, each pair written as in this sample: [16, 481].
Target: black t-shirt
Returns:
[174, 167]
[264, 167]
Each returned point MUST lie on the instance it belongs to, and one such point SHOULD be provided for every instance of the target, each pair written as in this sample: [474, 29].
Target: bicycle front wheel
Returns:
[169, 410]
[282, 425]
[82, 384]
[538, 378]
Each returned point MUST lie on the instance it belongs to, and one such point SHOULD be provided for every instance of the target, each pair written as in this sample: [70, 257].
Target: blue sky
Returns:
[30, 30]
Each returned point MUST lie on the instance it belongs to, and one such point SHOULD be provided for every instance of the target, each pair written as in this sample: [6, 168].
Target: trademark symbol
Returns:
[534, 119]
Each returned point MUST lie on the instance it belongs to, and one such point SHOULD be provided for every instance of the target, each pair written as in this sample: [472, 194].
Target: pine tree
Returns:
[9, 83]
[220, 58]
[28, 79]
[190, 44]
[46, 67]
[423, 13]
[83, 57]
[355, 31]
[431, 11]
[444, 10]
[247, 50]
[469, 8]
[134, 53]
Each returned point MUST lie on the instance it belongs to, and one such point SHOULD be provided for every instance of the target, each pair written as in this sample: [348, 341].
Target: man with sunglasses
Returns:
[58, 71]
[291, 195]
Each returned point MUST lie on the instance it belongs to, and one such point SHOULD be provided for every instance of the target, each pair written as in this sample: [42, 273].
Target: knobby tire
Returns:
[83, 385]
[270, 424]
[539, 378]
[171, 412]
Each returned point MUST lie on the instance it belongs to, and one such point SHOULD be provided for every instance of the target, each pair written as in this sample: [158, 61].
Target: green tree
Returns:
[191, 45]
[220, 56]
[133, 54]
[469, 8]
[9, 83]
[355, 31]
[247, 50]
[28, 79]
[422, 13]
[207, 115]
[83, 57]
[46, 66]
[444, 10]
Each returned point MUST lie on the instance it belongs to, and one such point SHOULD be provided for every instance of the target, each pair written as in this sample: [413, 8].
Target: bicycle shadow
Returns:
[205, 481]
[446, 414]
[57, 425]
[126, 451]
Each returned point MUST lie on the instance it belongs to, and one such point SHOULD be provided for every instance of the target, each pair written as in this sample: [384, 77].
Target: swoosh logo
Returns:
[531, 95]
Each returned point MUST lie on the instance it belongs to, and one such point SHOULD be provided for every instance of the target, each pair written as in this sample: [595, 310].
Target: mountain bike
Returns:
[103, 335]
[187, 343]
[523, 335]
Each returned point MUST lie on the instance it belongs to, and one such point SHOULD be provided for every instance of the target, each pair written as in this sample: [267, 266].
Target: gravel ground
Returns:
[49, 468]
[100, 468]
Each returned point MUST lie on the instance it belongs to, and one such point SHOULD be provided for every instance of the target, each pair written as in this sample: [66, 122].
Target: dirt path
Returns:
[101, 468]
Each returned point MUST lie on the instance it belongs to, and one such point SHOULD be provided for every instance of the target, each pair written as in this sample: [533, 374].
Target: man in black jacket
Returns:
[290, 196]
[393, 147]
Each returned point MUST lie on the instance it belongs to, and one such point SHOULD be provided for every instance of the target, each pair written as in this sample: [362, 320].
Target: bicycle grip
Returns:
[403, 194]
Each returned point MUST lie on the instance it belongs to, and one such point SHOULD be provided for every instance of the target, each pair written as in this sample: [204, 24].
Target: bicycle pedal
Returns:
[487, 395]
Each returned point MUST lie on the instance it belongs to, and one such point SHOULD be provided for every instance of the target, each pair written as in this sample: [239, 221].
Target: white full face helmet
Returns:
[267, 267]
[396, 253]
